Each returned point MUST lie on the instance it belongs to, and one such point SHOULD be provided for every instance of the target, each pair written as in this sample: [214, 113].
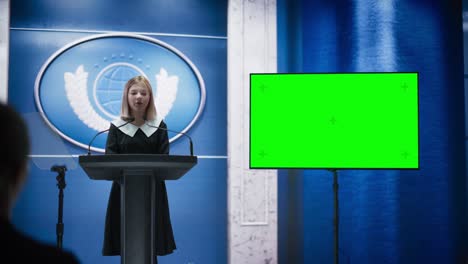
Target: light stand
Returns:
[61, 185]
[336, 216]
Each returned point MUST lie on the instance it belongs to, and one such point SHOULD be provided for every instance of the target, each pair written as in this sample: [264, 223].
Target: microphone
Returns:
[128, 119]
[178, 132]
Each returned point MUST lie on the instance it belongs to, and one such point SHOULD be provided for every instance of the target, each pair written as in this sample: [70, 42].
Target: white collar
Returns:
[130, 129]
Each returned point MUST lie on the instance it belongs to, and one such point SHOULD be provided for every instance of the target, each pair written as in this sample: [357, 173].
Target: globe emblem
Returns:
[109, 85]
[93, 83]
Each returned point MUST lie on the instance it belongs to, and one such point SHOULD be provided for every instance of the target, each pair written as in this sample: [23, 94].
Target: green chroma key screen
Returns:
[334, 121]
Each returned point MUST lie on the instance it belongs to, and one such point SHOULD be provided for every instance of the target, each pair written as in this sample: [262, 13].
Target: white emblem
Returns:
[77, 94]
[167, 92]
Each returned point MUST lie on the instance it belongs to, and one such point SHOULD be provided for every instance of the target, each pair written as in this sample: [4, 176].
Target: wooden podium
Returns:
[137, 174]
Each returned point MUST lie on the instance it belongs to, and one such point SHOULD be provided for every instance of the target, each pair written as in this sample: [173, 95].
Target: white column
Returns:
[4, 50]
[252, 194]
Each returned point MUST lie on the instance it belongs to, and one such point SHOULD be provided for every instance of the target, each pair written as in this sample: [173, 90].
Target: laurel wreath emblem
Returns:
[77, 94]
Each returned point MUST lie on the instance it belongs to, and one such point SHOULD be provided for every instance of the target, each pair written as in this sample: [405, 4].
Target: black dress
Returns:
[121, 143]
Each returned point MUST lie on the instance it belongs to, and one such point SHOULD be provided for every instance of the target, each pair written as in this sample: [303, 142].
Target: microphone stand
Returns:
[61, 185]
[178, 132]
[127, 119]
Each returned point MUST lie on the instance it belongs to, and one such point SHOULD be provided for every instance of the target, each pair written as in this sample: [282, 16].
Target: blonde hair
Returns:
[125, 109]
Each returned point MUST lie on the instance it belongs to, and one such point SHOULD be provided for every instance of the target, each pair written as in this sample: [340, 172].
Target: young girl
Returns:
[138, 137]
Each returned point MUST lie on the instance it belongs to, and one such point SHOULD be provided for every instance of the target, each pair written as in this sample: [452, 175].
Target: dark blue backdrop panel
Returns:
[414, 216]
[31, 49]
[290, 182]
[291, 216]
[199, 17]
[466, 97]
[289, 23]
[198, 211]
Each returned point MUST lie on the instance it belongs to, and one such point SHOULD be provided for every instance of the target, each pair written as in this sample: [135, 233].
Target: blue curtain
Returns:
[386, 216]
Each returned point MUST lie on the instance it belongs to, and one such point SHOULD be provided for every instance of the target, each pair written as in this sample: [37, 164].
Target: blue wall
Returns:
[198, 200]
[386, 216]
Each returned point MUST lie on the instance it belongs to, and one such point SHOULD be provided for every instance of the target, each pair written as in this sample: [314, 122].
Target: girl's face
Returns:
[138, 99]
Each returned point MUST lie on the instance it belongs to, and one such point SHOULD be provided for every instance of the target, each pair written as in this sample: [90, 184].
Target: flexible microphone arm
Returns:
[190, 139]
[129, 120]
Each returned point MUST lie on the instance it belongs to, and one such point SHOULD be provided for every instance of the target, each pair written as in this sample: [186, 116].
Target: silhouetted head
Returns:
[14, 151]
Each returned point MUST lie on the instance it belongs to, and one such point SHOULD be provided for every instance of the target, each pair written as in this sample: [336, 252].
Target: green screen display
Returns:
[334, 121]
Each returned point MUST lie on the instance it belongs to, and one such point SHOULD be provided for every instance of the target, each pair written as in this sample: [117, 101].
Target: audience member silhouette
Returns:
[16, 247]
